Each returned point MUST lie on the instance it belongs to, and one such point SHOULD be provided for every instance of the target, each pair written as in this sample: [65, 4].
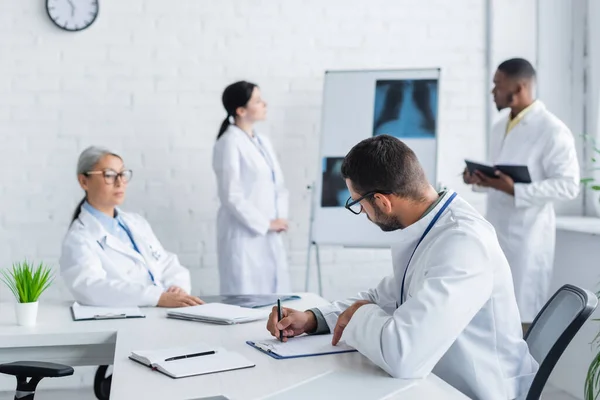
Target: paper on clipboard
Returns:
[301, 346]
[84, 313]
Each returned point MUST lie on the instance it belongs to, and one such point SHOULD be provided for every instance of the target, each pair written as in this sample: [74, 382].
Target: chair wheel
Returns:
[102, 383]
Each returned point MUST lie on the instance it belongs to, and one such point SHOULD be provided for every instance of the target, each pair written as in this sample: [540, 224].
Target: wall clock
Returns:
[72, 15]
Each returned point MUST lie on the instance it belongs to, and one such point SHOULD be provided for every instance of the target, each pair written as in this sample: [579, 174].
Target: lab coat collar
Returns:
[239, 130]
[536, 108]
[414, 231]
[104, 238]
[110, 224]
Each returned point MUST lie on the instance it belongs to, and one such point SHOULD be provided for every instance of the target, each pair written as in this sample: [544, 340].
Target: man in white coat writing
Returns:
[449, 306]
[523, 213]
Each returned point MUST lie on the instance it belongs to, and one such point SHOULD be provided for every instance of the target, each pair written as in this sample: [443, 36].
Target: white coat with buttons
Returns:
[252, 259]
[458, 318]
[525, 223]
[101, 270]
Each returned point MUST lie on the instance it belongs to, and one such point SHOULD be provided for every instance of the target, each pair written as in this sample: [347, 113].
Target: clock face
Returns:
[72, 15]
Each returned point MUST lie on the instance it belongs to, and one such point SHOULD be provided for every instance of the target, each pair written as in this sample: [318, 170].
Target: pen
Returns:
[279, 317]
[110, 316]
[206, 353]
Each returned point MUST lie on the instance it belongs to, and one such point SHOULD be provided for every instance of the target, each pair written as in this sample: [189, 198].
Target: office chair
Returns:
[553, 329]
[102, 383]
[35, 372]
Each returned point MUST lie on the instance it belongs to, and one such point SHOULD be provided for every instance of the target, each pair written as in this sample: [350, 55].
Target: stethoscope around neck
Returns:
[431, 224]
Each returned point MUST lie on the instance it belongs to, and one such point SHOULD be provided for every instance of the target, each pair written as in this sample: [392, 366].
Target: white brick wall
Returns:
[146, 80]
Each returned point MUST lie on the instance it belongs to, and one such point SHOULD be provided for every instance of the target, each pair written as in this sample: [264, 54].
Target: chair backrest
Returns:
[553, 329]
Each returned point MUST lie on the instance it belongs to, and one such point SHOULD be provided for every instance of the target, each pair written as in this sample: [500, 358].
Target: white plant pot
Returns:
[26, 313]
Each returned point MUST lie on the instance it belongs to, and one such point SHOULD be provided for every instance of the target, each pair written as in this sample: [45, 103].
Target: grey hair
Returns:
[90, 157]
[87, 161]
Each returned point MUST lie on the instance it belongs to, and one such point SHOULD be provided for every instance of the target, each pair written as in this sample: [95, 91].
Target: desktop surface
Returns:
[58, 338]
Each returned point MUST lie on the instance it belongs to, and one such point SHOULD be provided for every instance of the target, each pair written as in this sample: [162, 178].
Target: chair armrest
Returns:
[35, 369]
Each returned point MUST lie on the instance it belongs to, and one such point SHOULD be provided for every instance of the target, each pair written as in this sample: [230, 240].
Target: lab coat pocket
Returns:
[133, 272]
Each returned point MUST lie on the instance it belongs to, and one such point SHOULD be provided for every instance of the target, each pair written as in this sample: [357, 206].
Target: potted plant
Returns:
[592, 379]
[27, 283]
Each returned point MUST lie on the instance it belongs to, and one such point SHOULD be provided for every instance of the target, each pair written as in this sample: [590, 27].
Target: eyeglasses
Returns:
[110, 176]
[354, 205]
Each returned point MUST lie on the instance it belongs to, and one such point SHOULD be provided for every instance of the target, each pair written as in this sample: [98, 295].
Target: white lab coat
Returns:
[525, 223]
[460, 318]
[252, 260]
[101, 270]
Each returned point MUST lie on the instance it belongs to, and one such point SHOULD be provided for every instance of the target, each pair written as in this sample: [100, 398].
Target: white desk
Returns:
[57, 338]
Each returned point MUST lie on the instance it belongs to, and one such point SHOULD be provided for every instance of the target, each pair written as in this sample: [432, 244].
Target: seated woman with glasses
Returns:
[110, 257]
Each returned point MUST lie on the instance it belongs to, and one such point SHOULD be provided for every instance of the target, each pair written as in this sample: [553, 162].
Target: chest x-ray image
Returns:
[334, 191]
[406, 108]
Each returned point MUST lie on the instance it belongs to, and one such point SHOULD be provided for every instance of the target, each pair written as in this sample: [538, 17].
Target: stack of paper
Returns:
[84, 313]
[217, 313]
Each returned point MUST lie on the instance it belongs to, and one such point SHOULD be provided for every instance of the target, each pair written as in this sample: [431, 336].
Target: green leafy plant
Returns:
[592, 379]
[27, 282]
[589, 181]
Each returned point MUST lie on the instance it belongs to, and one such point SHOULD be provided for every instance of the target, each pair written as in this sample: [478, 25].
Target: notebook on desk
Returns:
[197, 359]
[88, 313]
[217, 313]
[301, 346]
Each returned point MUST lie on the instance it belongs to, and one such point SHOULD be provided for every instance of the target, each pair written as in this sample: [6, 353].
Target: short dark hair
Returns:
[517, 68]
[384, 163]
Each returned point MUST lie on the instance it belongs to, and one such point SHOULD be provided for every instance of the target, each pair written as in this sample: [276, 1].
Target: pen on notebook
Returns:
[206, 353]
[279, 317]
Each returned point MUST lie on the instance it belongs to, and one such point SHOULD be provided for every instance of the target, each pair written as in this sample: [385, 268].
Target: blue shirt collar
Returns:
[110, 224]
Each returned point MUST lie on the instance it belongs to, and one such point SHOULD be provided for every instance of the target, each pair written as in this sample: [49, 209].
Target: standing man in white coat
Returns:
[254, 200]
[523, 214]
[449, 306]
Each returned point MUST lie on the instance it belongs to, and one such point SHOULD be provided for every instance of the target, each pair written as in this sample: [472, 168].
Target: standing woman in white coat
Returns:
[110, 257]
[523, 213]
[254, 201]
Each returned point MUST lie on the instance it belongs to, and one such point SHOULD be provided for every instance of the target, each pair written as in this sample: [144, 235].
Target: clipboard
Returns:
[273, 353]
[95, 314]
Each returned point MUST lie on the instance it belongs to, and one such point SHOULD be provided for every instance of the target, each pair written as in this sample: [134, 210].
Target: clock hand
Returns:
[72, 7]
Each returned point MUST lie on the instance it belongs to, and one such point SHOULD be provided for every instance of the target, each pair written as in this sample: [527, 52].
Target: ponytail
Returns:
[78, 210]
[224, 127]
[236, 95]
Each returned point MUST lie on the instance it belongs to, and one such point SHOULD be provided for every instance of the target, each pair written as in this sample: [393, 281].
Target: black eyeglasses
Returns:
[354, 205]
[110, 176]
